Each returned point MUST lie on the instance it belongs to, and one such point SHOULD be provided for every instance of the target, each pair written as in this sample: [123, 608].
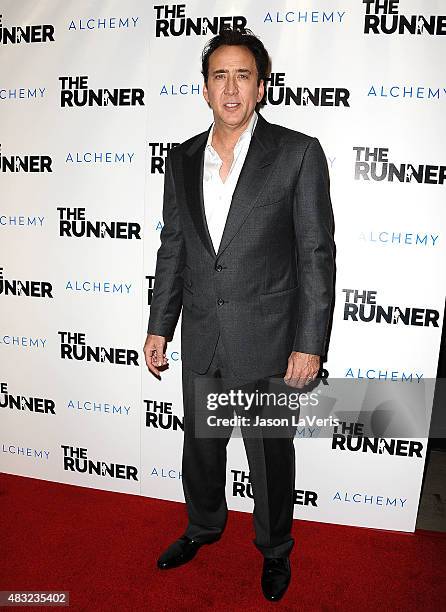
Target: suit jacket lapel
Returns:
[193, 183]
[262, 152]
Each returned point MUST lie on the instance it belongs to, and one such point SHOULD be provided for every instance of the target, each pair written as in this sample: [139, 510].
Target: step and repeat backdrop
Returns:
[92, 97]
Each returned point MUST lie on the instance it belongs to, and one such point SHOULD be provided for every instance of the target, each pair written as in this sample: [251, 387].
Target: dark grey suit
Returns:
[268, 291]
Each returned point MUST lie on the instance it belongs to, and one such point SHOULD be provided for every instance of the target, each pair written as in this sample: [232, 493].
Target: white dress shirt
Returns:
[217, 194]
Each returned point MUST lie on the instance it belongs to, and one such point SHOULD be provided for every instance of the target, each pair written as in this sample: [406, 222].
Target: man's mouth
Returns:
[231, 105]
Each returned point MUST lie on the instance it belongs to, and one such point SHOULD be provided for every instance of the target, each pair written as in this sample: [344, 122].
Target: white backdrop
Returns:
[109, 424]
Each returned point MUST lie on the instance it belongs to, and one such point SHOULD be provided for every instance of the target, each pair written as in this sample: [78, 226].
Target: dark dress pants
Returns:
[272, 474]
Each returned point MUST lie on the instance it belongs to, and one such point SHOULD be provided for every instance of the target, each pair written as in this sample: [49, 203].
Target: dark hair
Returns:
[241, 37]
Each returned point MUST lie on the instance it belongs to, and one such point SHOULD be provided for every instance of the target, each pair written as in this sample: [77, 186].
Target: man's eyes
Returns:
[223, 76]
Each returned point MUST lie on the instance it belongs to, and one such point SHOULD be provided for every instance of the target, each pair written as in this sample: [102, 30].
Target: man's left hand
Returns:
[302, 369]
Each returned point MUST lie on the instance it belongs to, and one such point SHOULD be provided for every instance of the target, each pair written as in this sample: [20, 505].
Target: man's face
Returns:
[232, 91]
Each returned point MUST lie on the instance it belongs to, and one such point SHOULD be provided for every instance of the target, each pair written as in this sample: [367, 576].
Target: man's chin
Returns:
[234, 119]
[233, 115]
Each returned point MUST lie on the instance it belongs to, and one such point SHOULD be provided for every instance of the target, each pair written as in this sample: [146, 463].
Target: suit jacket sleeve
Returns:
[313, 222]
[168, 288]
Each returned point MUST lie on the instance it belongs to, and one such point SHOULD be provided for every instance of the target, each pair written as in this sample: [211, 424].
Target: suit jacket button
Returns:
[220, 302]
[219, 268]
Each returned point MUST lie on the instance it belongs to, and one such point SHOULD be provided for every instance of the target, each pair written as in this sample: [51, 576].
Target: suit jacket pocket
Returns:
[279, 301]
[270, 202]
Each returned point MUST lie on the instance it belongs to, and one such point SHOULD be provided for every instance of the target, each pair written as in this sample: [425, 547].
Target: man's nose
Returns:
[231, 85]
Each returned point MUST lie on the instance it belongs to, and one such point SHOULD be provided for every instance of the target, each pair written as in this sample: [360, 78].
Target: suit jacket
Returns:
[269, 289]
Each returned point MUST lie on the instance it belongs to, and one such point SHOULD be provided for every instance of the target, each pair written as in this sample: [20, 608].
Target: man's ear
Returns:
[206, 95]
[205, 92]
[261, 91]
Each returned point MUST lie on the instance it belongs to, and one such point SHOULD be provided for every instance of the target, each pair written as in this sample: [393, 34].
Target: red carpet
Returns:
[102, 548]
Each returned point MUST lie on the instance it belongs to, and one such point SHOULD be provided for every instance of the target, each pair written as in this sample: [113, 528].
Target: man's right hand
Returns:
[154, 352]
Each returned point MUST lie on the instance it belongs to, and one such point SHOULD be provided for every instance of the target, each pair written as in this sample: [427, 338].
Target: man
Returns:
[247, 251]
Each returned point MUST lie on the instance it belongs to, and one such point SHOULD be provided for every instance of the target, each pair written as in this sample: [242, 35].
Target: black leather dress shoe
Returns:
[180, 552]
[276, 577]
